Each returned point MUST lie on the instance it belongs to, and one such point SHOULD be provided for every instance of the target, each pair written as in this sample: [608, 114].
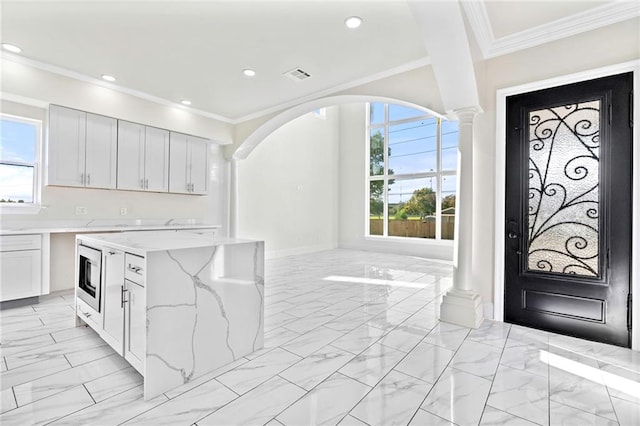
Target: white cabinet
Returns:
[101, 152]
[82, 149]
[135, 312]
[188, 164]
[135, 317]
[67, 140]
[112, 299]
[143, 157]
[122, 320]
[20, 266]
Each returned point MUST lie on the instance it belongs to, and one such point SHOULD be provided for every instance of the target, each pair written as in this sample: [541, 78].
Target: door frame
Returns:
[500, 179]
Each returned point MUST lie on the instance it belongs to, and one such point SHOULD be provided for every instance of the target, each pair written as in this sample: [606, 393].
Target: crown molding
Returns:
[587, 20]
[98, 82]
[146, 96]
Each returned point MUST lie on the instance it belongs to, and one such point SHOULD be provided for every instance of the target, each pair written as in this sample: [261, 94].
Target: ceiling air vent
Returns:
[297, 74]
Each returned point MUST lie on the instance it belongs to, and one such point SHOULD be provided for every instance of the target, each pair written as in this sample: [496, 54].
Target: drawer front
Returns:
[89, 315]
[134, 268]
[20, 242]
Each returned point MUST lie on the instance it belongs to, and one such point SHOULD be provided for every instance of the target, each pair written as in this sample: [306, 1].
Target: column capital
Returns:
[467, 114]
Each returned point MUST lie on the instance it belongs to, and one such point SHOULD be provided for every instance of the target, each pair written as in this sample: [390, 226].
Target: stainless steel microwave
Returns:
[89, 275]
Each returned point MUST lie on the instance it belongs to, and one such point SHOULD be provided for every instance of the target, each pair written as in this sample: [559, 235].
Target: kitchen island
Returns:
[176, 305]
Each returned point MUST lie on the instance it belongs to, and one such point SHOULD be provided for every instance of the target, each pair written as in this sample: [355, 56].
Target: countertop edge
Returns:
[113, 228]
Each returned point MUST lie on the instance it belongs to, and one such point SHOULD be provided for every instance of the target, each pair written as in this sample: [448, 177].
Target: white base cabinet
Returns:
[121, 322]
[20, 266]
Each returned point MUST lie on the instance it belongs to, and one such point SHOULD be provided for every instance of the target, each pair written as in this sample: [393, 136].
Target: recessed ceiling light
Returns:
[185, 102]
[11, 48]
[108, 77]
[249, 72]
[353, 22]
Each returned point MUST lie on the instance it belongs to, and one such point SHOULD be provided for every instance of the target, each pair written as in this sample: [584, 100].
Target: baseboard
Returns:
[437, 252]
[274, 254]
[487, 310]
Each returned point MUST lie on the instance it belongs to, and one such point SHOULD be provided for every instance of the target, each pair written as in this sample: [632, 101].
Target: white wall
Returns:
[288, 187]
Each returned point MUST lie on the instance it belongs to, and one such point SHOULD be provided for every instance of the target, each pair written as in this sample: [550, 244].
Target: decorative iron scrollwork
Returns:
[564, 197]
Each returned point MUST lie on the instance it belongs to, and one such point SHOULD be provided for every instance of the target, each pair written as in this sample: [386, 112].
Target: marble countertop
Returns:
[142, 242]
[102, 225]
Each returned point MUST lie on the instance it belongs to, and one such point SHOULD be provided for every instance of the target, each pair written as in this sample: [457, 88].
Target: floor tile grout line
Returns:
[393, 369]
[91, 396]
[486, 401]
[441, 373]
[58, 390]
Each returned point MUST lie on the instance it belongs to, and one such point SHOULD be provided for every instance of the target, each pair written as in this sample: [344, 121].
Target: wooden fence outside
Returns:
[414, 228]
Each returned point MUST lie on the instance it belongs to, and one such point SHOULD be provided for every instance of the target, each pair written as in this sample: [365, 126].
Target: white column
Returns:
[462, 305]
[233, 198]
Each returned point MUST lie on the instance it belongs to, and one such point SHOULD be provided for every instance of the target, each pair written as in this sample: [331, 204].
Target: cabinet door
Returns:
[66, 149]
[20, 274]
[112, 311]
[101, 151]
[199, 155]
[136, 326]
[131, 141]
[156, 163]
[178, 164]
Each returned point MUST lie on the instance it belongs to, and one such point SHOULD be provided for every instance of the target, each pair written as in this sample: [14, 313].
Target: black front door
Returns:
[568, 209]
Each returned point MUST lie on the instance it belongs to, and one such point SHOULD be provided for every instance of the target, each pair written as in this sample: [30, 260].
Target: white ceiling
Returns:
[196, 50]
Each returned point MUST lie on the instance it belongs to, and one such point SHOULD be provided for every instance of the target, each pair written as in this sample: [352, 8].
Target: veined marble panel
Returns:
[205, 309]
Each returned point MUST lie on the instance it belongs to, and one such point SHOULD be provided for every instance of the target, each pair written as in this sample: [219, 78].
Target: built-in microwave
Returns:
[89, 275]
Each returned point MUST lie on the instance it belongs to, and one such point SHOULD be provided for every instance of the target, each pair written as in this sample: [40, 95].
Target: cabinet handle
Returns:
[122, 291]
[88, 178]
[142, 183]
[146, 183]
[135, 269]
[82, 178]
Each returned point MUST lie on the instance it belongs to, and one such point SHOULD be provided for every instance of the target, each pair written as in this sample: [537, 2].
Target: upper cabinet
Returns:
[95, 151]
[82, 149]
[143, 157]
[188, 164]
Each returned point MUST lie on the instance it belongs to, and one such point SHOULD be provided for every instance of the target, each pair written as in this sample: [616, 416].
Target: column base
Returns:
[462, 308]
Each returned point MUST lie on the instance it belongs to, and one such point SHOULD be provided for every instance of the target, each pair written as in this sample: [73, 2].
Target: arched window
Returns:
[412, 173]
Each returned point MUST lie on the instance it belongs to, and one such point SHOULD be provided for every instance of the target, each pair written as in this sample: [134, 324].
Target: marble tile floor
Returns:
[351, 338]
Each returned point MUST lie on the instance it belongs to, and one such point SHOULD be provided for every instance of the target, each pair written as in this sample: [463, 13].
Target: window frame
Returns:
[437, 174]
[35, 206]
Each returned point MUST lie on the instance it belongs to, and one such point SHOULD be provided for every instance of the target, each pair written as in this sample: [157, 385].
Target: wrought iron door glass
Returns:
[564, 195]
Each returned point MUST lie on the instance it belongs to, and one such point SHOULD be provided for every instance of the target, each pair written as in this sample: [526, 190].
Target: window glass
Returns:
[448, 207]
[411, 206]
[413, 147]
[376, 113]
[376, 206]
[400, 112]
[19, 142]
[17, 183]
[376, 152]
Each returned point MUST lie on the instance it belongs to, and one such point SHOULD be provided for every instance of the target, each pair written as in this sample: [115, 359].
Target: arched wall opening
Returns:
[298, 182]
